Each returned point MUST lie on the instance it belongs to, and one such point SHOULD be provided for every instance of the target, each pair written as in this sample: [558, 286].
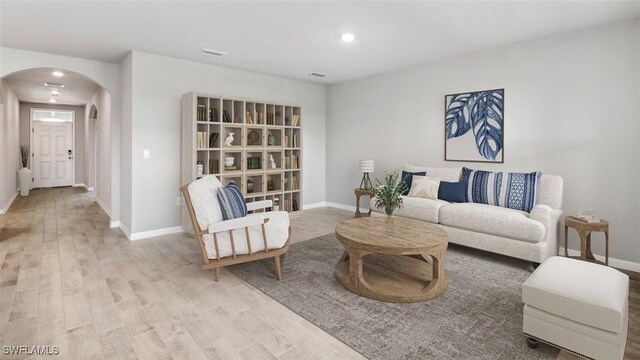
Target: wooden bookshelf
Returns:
[261, 129]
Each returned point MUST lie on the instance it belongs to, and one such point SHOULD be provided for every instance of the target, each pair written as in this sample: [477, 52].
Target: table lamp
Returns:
[366, 166]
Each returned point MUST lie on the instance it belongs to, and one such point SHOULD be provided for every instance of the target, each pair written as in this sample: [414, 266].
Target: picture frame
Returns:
[474, 126]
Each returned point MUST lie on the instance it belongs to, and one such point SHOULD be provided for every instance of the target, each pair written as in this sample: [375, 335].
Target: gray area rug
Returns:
[479, 317]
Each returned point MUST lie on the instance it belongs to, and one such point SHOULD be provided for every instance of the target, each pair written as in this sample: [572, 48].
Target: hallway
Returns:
[67, 280]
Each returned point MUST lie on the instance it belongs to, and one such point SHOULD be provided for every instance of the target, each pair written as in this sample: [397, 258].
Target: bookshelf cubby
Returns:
[262, 129]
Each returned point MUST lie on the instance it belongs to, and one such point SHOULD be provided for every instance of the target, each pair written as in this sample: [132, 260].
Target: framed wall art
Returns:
[474, 126]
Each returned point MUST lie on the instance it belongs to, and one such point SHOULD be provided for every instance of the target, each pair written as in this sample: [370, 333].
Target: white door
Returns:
[52, 153]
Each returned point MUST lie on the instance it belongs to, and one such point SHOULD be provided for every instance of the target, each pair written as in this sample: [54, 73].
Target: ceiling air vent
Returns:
[212, 52]
[315, 74]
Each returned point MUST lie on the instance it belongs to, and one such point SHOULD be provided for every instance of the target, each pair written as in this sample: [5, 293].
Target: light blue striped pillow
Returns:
[231, 201]
[512, 190]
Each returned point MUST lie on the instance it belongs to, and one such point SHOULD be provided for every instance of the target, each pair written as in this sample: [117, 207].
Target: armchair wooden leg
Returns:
[278, 268]
[217, 276]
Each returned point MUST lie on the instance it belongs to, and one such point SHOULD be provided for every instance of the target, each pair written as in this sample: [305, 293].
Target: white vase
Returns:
[25, 178]
[229, 161]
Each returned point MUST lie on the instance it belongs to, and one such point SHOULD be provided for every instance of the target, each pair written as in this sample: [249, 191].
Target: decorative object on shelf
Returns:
[249, 186]
[248, 118]
[253, 138]
[212, 139]
[270, 186]
[276, 204]
[25, 175]
[272, 161]
[366, 167]
[271, 140]
[229, 161]
[389, 196]
[474, 126]
[229, 140]
[199, 169]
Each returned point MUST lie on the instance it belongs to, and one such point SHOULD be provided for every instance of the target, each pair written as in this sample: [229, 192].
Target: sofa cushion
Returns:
[424, 187]
[203, 193]
[584, 292]
[416, 208]
[512, 190]
[453, 191]
[231, 201]
[277, 230]
[492, 220]
[407, 177]
[446, 174]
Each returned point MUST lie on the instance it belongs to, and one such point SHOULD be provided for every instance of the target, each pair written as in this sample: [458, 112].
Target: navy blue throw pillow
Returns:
[407, 177]
[453, 191]
[464, 175]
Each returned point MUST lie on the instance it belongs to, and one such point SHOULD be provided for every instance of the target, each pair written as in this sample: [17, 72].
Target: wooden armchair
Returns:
[229, 242]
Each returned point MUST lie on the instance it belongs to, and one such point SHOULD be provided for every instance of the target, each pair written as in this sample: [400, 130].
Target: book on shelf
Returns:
[270, 118]
[213, 114]
[296, 120]
[213, 166]
[286, 141]
[212, 139]
[248, 118]
[230, 168]
[294, 161]
[294, 183]
[202, 141]
[295, 140]
[200, 113]
[225, 116]
[287, 162]
[587, 218]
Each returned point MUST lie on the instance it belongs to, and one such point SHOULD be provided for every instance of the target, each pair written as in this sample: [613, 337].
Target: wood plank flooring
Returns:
[67, 280]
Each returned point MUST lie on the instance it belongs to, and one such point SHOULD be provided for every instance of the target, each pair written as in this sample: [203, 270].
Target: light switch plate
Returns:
[146, 154]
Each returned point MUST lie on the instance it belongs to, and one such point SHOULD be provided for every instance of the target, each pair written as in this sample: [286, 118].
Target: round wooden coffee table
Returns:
[405, 264]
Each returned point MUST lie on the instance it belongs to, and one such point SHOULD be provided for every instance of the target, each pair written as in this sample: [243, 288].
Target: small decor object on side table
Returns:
[584, 226]
[25, 174]
[389, 196]
[366, 167]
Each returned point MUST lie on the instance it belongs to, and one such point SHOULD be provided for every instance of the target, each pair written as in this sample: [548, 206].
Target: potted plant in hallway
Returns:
[25, 175]
[388, 196]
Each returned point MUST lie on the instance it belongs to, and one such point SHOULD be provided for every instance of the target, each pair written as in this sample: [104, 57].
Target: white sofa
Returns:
[528, 236]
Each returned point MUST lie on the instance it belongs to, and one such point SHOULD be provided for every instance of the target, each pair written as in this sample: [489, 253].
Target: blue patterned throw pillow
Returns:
[231, 201]
[407, 177]
[511, 190]
[464, 175]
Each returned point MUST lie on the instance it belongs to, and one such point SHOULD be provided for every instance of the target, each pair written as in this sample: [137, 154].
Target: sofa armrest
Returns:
[541, 213]
[257, 205]
[239, 223]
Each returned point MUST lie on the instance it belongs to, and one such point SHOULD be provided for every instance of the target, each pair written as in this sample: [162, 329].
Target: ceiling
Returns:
[292, 39]
[29, 86]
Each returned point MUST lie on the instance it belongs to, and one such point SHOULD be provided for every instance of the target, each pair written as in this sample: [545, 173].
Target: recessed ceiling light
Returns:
[52, 100]
[348, 37]
[316, 74]
[219, 53]
[54, 85]
[53, 114]
[55, 92]
[57, 73]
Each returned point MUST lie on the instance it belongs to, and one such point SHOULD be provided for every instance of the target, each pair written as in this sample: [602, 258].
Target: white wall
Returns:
[105, 74]
[79, 134]
[102, 101]
[158, 85]
[571, 109]
[10, 161]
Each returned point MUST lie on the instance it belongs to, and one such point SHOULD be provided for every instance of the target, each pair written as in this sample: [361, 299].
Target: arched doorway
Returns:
[38, 87]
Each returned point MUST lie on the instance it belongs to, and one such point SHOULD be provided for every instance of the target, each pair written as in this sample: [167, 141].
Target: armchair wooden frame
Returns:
[229, 226]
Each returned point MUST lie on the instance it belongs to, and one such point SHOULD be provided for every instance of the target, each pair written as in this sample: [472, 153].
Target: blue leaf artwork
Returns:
[474, 126]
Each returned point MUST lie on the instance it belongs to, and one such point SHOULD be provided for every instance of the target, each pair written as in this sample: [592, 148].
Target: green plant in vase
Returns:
[388, 195]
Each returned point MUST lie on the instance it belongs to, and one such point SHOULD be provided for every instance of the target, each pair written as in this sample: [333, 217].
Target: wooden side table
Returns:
[359, 193]
[584, 230]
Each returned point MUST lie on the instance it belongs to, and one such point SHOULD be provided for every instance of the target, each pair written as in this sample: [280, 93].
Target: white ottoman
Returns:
[578, 306]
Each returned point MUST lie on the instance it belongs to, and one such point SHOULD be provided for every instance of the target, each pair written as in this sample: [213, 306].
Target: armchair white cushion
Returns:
[203, 194]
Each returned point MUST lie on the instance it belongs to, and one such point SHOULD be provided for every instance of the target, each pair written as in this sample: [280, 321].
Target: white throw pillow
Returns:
[424, 187]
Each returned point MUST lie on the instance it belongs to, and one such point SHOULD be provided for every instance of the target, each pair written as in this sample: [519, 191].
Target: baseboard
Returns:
[114, 224]
[342, 206]
[125, 230]
[154, 233]
[6, 208]
[314, 205]
[79, 185]
[106, 209]
[613, 262]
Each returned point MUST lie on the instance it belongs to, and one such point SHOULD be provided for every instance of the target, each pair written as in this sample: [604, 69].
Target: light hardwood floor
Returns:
[67, 280]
